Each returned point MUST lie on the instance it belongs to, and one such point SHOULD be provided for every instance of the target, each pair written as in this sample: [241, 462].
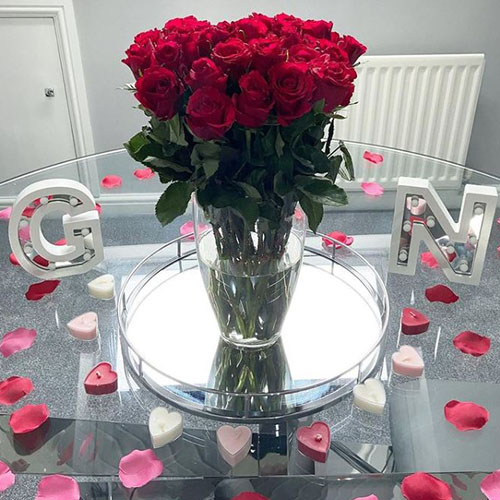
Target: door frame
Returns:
[63, 16]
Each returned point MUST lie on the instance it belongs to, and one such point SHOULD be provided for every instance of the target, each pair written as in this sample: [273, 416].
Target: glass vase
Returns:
[250, 272]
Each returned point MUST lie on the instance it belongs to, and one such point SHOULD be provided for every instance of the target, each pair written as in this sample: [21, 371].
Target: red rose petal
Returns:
[372, 188]
[13, 260]
[28, 418]
[472, 343]
[58, 487]
[5, 213]
[339, 236]
[490, 486]
[441, 293]
[41, 261]
[144, 173]
[28, 211]
[13, 389]
[111, 181]
[466, 416]
[7, 478]
[38, 290]
[98, 208]
[374, 158]
[250, 495]
[423, 486]
[427, 259]
[17, 340]
[139, 468]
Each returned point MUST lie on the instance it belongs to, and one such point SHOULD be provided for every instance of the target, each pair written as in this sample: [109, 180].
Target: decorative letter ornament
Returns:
[82, 230]
[421, 216]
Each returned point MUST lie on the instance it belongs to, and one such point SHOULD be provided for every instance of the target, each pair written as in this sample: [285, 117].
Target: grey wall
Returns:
[106, 29]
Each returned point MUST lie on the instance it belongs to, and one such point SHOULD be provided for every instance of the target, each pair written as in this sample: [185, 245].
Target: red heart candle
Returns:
[101, 380]
[414, 322]
[314, 441]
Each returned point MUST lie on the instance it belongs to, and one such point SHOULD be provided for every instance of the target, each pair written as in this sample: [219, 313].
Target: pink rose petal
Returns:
[339, 236]
[17, 340]
[374, 158]
[60, 242]
[298, 214]
[98, 208]
[369, 497]
[427, 259]
[372, 188]
[28, 418]
[441, 293]
[7, 478]
[13, 389]
[490, 486]
[144, 173]
[466, 416]
[58, 487]
[423, 486]
[24, 233]
[111, 181]
[139, 468]
[188, 227]
[13, 260]
[472, 343]
[250, 495]
[38, 290]
[5, 213]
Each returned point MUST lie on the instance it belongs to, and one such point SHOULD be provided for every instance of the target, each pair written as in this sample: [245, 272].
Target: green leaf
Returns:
[313, 210]
[164, 131]
[177, 135]
[139, 147]
[249, 190]
[320, 161]
[173, 202]
[163, 163]
[206, 155]
[298, 126]
[248, 209]
[134, 145]
[335, 163]
[279, 144]
[349, 167]
[319, 106]
[321, 190]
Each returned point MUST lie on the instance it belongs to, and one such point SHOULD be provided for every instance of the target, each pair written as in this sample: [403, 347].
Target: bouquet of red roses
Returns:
[238, 112]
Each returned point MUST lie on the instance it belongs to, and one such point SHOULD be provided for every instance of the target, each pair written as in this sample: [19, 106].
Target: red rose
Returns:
[255, 101]
[205, 73]
[147, 37]
[353, 48]
[335, 53]
[251, 28]
[267, 52]
[286, 22]
[185, 25]
[168, 54]
[250, 495]
[159, 90]
[210, 113]
[292, 89]
[139, 58]
[334, 84]
[318, 29]
[233, 55]
[302, 53]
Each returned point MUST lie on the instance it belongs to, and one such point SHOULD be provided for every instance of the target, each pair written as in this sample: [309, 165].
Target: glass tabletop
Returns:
[412, 433]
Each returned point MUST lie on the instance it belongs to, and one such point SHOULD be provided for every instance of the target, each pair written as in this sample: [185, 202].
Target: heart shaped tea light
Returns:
[373, 158]
[7, 478]
[84, 327]
[414, 322]
[441, 293]
[101, 380]
[370, 396]
[466, 416]
[13, 389]
[472, 343]
[314, 441]
[17, 340]
[39, 290]
[423, 486]
[102, 287]
[234, 443]
[111, 181]
[58, 487]
[139, 468]
[490, 486]
[143, 173]
[407, 362]
[28, 418]
[164, 426]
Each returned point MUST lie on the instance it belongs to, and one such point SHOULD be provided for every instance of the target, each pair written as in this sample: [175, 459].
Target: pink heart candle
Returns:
[84, 327]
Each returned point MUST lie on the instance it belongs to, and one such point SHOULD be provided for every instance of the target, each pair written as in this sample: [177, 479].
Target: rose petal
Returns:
[24, 233]
[374, 158]
[139, 468]
[7, 478]
[339, 236]
[490, 486]
[144, 173]
[58, 487]
[369, 497]
[372, 188]
[13, 260]
[41, 261]
[423, 486]
[466, 416]
[441, 293]
[188, 228]
[250, 495]
[427, 259]
[5, 213]
[17, 340]
[60, 242]
[472, 343]
[111, 181]
[13, 389]
[298, 214]
[98, 208]
[28, 212]
[28, 418]
[38, 290]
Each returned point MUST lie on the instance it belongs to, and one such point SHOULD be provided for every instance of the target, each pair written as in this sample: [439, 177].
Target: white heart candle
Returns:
[164, 426]
[103, 287]
[84, 327]
[370, 396]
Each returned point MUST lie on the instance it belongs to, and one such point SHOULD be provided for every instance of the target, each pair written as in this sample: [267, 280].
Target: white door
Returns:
[35, 130]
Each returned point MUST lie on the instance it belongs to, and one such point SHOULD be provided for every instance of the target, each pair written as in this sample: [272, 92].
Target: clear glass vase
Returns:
[250, 273]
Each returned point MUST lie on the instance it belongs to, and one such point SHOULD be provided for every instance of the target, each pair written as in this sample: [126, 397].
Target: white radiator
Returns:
[421, 103]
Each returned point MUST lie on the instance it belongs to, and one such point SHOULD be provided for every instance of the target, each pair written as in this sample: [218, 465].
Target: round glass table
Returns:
[87, 435]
